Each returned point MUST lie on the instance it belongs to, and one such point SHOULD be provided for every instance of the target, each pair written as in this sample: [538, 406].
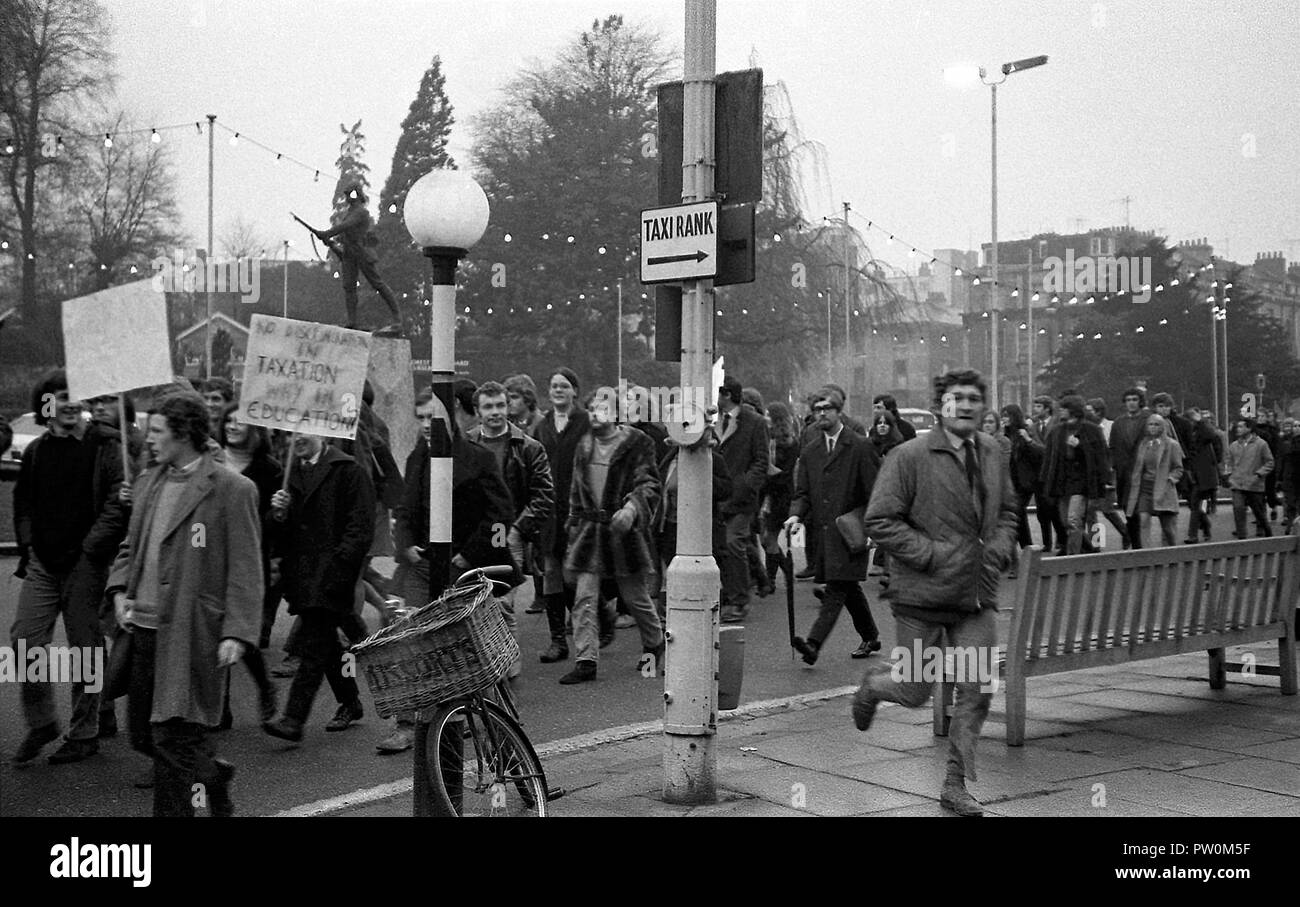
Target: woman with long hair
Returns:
[885, 435]
[1153, 483]
[1026, 462]
[247, 451]
[783, 450]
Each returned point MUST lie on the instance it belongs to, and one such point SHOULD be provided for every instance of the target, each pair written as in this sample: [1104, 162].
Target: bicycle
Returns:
[498, 773]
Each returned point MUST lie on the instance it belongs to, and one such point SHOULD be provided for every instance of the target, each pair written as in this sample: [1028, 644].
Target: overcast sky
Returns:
[1188, 107]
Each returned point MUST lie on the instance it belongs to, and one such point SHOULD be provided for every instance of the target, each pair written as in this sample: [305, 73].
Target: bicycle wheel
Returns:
[482, 764]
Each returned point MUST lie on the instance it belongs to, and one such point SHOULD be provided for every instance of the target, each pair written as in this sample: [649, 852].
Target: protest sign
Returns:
[303, 376]
[116, 340]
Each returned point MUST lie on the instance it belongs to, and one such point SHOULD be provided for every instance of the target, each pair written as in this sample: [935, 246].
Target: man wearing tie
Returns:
[834, 476]
[945, 511]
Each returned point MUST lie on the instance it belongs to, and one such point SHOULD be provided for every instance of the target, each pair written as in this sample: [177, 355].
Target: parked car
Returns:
[922, 419]
[25, 432]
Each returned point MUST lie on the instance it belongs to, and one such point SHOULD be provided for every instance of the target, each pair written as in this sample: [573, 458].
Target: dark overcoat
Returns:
[210, 570]
[594, 546]
[326, 533]
[826, 487]
[560, 447]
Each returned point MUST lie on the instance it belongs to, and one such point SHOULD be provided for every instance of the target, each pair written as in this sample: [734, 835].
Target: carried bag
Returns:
[118, 682]
[852, 530]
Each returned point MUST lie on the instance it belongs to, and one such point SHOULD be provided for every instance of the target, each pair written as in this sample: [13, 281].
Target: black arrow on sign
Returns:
[698, 255]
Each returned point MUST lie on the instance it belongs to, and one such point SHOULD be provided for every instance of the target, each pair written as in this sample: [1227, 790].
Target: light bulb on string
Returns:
[569, 239]
[601, 250]
[154, 136]
[234, 140]
[957, 273]
[975, 282]
[108, 140]
[508, 238]
[392, 209]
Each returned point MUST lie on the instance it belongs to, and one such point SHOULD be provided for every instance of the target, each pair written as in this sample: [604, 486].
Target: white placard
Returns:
[116, 340]
[679, 242]
[303, 376]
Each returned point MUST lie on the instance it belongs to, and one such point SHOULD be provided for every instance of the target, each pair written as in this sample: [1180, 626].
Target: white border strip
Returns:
[556, 748]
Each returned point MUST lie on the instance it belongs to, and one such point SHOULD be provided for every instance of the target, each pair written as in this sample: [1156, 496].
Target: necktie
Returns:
[973, 476]
[830, 445]
[726, 422]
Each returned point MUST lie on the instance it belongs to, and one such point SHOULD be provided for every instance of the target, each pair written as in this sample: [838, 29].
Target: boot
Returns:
[955, 797]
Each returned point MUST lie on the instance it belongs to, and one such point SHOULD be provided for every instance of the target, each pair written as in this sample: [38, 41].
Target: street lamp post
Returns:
[446, 213]
[962, 75]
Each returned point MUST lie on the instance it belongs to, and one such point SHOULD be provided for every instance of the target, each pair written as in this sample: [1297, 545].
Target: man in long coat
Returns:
[833, 477]
[187, 583]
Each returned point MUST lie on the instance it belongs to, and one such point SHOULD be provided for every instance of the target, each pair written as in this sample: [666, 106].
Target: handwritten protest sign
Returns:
[116, 340]
[303, 376]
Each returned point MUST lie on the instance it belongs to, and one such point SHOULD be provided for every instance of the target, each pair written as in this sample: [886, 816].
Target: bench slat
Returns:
[1055, 607]
[1127, 579]
[1079, 603]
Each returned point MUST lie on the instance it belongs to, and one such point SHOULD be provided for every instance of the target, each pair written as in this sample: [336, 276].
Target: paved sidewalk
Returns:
[1143, 739]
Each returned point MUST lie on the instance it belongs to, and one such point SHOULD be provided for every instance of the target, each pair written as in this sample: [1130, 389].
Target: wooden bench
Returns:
[1094, 610]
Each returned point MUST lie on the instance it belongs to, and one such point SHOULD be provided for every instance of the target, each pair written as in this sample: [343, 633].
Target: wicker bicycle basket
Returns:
[451, 647]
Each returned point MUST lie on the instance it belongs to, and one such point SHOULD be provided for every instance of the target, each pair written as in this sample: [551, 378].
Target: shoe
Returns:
[536, 608]
[107, 725]
[219, 803]
[581, 673]
[389, 330]
[345, 716]
[819, 593]
[74, 751]
[606, 638]
[806, 573]
[30, 748]
[145, 780]
[555, 653]
[732, 615]
[864, 708]
[1190, 541]
[807, 648]
[286, 668]
[285, 729]
[624, 621]
[866, 649]
[399, 741]
[765, 590]
[227, 721]
[955, 797]
[267, 701]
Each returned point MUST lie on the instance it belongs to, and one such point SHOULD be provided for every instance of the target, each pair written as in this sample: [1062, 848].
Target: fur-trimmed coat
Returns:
[594, 546]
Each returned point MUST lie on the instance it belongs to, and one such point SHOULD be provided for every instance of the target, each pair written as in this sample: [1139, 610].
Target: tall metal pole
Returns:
[830, 359]
[690, 681]
[285, 306]
[442, 365]
[993, 290]
[207, 271]
[1030, 293]
[1223, 316]
[848, 328]
[619, 382]
[1214, 360]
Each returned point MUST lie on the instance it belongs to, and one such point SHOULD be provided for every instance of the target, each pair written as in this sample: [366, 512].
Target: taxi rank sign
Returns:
[679, 242]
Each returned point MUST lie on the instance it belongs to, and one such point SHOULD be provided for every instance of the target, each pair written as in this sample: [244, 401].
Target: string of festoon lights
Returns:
[1189, 276]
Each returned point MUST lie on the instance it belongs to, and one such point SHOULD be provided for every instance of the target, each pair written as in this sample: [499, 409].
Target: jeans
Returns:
[1198, 520]
[43, 596]
[736, 577]
[1076, 508]
[586, 621]
[841, 594]
[1255, 501]
[1049, 517]
[971, 706]
[321, 655]
[184, 758]
[1168, 527]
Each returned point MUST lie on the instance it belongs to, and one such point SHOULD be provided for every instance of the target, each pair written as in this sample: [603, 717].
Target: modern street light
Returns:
[968, 75]
[446, 213]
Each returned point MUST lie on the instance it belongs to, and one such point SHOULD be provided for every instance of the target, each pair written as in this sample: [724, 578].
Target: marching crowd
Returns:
[182, 559]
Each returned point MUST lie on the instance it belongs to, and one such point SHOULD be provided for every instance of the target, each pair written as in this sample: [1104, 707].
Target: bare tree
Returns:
[53, 56]
[124, 203]
[242, 238]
